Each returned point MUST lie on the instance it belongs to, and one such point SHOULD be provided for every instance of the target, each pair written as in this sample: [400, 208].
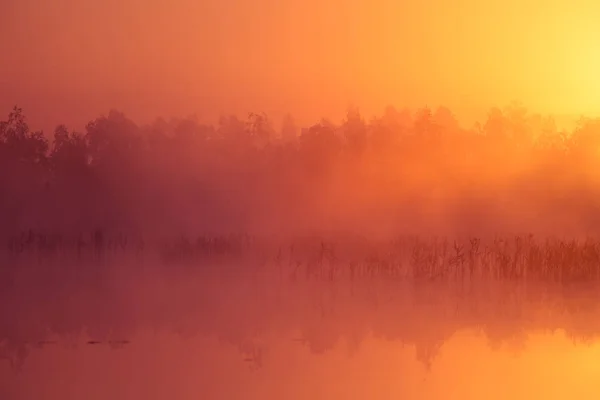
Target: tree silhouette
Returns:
[289, 131]
[355, 132]
[240, 170]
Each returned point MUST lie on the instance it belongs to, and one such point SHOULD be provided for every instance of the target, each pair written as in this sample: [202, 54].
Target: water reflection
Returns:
[166, 366]
[83, 331]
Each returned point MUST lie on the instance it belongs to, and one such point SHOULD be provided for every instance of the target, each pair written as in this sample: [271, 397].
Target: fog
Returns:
[129, 326]
[405, 172]
[405, 255]
[294, 199]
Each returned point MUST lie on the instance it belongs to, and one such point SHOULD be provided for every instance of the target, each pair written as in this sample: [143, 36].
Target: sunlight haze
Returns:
[299, 199]
[68, 60]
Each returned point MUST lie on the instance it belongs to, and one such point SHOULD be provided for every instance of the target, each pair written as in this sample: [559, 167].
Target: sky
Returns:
[72, 60]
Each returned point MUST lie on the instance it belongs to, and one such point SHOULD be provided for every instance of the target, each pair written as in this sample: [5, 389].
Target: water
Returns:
[260, 332]
[165, 366]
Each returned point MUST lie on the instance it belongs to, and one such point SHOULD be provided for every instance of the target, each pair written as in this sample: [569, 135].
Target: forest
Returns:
[402, 172]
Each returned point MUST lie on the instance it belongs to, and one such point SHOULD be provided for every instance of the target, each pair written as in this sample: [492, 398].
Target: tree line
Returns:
[180, 175]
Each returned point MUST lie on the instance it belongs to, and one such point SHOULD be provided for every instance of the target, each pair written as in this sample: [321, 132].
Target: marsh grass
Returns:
[415, 289]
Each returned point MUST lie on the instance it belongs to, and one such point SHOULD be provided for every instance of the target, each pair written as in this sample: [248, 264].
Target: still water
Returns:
[260, 337]
[166, 366]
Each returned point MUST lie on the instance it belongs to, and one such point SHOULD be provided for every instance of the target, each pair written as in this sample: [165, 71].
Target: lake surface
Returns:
[166, 366]
[259, 332]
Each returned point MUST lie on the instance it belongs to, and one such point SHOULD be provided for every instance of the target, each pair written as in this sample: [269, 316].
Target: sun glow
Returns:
[581, 53]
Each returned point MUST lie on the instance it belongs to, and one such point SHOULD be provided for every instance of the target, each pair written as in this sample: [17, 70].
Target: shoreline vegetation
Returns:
[238, 288]
[123, 228]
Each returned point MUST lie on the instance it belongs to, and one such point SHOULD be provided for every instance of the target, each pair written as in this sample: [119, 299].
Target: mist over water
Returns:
[406, 257]
[378, 253]
[206, 325]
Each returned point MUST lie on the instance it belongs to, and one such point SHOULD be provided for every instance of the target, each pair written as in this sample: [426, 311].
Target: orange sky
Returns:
[70, 60]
